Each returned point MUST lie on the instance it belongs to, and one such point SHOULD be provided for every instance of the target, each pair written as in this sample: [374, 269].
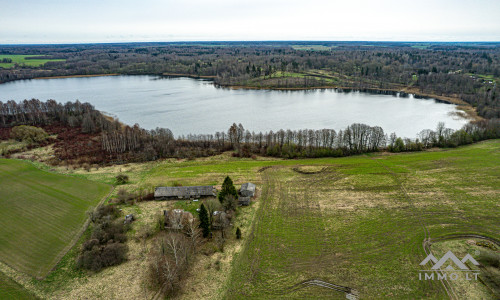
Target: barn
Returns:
[247, 190]
[184, 192]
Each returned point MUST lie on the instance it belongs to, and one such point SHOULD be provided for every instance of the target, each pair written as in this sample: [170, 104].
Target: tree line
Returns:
[109, 141]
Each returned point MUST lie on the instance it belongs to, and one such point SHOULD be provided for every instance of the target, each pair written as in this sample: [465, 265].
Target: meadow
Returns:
[360, 222]
[42, 213]
[12, 290]
[21, 60]
[357, 222]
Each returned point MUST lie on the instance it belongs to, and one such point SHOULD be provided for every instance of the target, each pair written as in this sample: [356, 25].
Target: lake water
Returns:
[188, 105]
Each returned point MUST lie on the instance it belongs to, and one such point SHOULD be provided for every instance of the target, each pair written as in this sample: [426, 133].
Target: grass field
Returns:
[313, 47]
[41, 214]
[9, 289]
[355, 221]
[21, 60]
[360, 223]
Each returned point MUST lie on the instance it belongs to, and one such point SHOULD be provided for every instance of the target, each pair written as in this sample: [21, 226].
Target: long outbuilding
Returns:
[184, 192]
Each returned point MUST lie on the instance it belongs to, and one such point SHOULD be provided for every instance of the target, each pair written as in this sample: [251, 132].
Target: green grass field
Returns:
[41, 214]
[21, 60]
[313, 47]
[9, 289]
[360, 222]
[354, 221]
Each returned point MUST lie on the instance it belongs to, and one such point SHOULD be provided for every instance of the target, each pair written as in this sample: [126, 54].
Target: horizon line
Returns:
[249, 41]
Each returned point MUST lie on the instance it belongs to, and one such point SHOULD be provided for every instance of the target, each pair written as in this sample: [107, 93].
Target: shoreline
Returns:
[75, 76]
[469, 112]
[189, 75]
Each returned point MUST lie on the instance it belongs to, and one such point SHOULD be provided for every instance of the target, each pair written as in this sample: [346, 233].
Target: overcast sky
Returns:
[80, 21]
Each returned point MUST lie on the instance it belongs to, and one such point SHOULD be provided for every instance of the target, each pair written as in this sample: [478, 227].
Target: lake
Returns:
[188, 105]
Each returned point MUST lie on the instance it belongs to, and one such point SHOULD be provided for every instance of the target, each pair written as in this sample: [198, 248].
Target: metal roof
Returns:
[184, 191]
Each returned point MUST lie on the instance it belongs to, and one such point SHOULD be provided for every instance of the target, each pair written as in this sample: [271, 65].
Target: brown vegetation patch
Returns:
[309, 169]
[125, 281]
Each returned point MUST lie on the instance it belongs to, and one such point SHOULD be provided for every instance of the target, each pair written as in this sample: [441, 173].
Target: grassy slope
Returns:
[355, 224]
[359, 223]
[41, 213]
[21, 59]
[9, 289]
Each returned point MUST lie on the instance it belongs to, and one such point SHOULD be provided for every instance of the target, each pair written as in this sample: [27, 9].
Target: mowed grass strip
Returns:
[41, 214]
[359, 223]
[10, 289]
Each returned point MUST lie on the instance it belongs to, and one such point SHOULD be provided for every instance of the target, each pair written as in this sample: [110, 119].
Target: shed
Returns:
[247, 190]
[244, 201]
[184, 192]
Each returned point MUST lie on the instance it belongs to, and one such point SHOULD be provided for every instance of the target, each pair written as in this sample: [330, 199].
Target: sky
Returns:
[89, 21]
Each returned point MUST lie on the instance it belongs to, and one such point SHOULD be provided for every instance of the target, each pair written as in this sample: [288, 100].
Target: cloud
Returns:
[52, 21]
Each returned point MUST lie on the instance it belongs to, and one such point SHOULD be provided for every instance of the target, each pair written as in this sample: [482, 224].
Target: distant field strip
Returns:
[361, 221]
[21, 60]
[40, 214]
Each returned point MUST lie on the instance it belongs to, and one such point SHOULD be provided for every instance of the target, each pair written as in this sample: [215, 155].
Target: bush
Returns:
[238, 233]
[121, 179]
[230, 203]
[124, 197]
[105, 246]
[100, 257]
[490, 259]
[170, 258]
[29, 134]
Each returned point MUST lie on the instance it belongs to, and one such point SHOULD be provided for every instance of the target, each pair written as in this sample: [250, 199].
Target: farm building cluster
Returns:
[246, 193]
[180, 219]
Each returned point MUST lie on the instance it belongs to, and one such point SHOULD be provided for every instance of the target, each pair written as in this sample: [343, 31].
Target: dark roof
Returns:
[184, 191]
[244, 201]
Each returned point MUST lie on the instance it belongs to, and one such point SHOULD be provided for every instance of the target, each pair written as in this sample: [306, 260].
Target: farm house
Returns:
[184, 192]
[247, 190]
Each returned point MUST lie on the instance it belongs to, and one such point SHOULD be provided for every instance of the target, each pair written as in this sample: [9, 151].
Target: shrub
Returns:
[105, 246]
[490, 259]
[29, 134]
[124, 197]
[170, 258]
[238, 233]
[121, 179]
[230, 203]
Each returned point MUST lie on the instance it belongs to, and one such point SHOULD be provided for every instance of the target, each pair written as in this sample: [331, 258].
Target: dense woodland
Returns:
[85, 136]
[469, 71]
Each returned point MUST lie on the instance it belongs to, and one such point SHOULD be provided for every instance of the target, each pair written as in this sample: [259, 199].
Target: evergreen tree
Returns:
[204, 223]
[227, 189]
[238, 233]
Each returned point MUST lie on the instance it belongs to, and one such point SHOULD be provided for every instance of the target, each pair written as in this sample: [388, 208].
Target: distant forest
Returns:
[467, 71]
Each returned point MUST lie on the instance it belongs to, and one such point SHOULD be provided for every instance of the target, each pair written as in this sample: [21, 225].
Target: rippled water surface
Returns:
[195, 106]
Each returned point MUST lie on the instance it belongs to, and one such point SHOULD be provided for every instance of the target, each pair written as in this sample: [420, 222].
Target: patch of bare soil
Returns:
[309, 169]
